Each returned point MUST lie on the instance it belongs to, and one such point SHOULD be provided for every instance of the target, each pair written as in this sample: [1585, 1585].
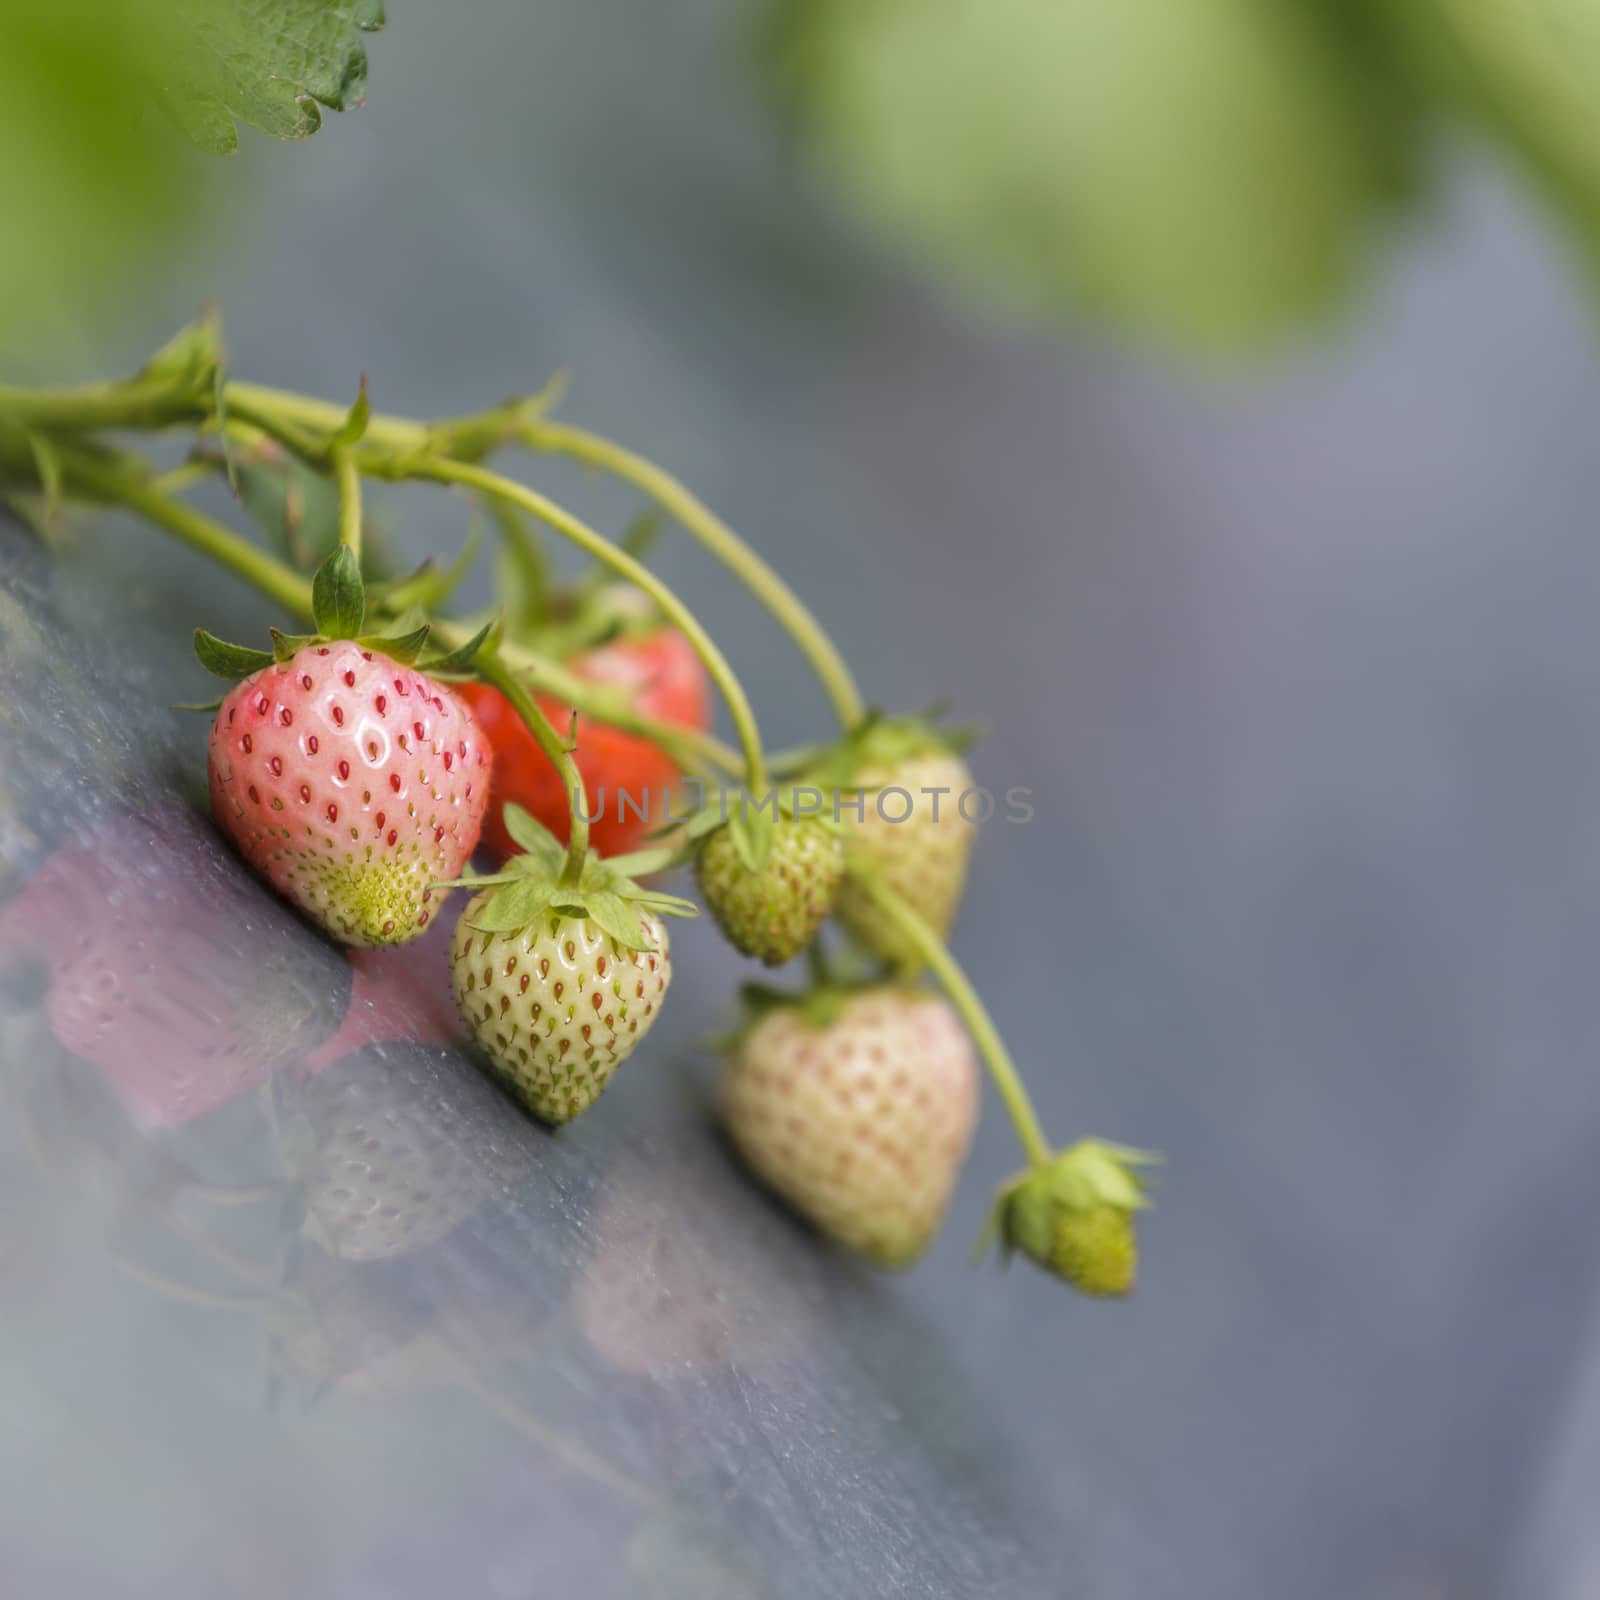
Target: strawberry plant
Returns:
[355, 764]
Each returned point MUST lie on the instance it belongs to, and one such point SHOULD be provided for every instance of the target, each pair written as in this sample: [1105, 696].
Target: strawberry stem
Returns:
[581, 534]
[493, 671]
[348, 477]
[703, 524]
[973, 1012]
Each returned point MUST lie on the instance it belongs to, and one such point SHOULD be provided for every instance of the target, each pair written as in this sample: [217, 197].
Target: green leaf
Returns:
[618, 918]
[295, 506]
[267, 63]
[228, 660]
[459, 659]
[338, 599]
[532, 836]
[403, 647]
[1200, 170]
[286, 646]
[522, 576]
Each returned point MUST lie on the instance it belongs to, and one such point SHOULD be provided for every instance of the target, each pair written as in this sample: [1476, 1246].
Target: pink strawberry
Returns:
[350, 782]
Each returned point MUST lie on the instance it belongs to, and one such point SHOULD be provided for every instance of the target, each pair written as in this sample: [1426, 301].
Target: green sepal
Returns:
[753, 832]
[402, 647]
[532, 836]
[192, 357]
[286, 646]
[459, 659]
[226, 660]
[531, 885]
[198, 705]
[338, 597]
[878, 740]
[354, 427]
[47, 463]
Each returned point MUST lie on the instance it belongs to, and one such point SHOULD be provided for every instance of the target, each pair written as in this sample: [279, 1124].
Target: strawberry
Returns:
[171, 974]
[658, 675]
[922, 858]
[857, 1109]
[346, 777]
[774, 911]
[1073, 1215]
[557, 982]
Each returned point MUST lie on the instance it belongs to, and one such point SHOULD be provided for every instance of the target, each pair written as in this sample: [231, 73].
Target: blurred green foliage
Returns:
[95, 179]
[1206, 172]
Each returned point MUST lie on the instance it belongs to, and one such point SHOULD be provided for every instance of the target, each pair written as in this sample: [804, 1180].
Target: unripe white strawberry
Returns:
[922, 859]
[857, 1110]
[557, 1005]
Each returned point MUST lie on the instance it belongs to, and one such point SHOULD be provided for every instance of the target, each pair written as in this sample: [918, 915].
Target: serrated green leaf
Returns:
[402, 647]
[338, 597]
[459, 659]
[228, 660]
[532, 836]
[286, 646]
[618, 918]
[268, 63]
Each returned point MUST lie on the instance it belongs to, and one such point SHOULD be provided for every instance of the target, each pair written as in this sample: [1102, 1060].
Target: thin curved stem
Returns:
[493, 671]
[581, 534]
[973, 1012]
[703, 524]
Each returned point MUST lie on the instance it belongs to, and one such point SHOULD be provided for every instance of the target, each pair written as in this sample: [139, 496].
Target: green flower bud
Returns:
[1073, 1216]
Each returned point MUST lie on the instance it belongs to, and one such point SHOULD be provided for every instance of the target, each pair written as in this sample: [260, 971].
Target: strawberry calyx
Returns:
[538, 881]
[878, 740]
[1074, 1215]
[339, 611]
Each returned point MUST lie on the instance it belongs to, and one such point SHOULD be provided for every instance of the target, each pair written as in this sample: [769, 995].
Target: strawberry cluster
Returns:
[358, 768]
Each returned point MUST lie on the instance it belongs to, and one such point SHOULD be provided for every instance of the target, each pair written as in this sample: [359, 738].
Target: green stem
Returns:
[493, 671]
[703, 524]
[581, 534]
[973, 1012]
[135, 403]
[348, 477]
[691, 749]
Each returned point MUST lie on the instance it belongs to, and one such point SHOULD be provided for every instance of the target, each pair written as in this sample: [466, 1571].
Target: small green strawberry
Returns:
[772, 911]
[857, 1109]
[1074, 1216]
[559, 982]
[902, 796]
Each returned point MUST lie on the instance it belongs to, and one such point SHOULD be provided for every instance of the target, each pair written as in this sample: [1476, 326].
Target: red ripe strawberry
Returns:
[350, 783]
[663, 678]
